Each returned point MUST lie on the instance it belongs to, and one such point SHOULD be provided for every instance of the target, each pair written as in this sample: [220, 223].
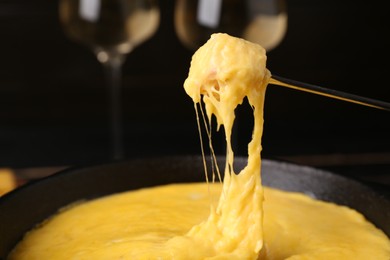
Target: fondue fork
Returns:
[293, 84]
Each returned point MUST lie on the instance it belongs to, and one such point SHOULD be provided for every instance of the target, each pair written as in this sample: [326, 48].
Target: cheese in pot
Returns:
[138, 224]
[236, 219]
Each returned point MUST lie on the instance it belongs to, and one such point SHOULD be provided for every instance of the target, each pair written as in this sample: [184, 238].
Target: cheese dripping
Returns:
[224, 72]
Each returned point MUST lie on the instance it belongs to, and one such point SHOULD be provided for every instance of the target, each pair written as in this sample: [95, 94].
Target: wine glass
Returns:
[111, 29]
[260, 21]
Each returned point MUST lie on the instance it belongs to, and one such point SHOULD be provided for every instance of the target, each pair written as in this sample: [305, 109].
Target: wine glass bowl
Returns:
[260, 21]
[111, 29]
[110, 26]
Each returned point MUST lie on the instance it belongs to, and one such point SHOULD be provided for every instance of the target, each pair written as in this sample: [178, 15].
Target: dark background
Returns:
[54, 106]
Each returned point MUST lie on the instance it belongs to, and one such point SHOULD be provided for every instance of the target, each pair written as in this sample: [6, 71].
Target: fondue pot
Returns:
[23, 208]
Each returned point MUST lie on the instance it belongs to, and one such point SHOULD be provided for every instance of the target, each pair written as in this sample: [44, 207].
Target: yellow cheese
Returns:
[225, 71]
[138, 224]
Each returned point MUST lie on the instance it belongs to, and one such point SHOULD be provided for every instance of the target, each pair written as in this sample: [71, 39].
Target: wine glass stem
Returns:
[113, 74]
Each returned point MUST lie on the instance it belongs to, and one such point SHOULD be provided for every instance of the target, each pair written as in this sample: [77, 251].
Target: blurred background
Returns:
[54, 97]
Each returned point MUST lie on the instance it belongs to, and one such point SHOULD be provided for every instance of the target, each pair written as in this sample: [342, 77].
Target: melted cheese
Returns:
[224, 71]
[138, 224]
[177, 222]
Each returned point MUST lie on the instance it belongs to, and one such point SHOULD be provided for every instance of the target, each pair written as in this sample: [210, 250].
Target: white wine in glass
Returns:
[111, 29]
[260, 21]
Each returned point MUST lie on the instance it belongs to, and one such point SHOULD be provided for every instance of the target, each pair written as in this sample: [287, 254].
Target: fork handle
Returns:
[293, 84]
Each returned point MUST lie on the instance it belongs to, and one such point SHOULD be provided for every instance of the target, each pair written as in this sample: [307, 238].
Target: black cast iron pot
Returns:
[23, 208]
